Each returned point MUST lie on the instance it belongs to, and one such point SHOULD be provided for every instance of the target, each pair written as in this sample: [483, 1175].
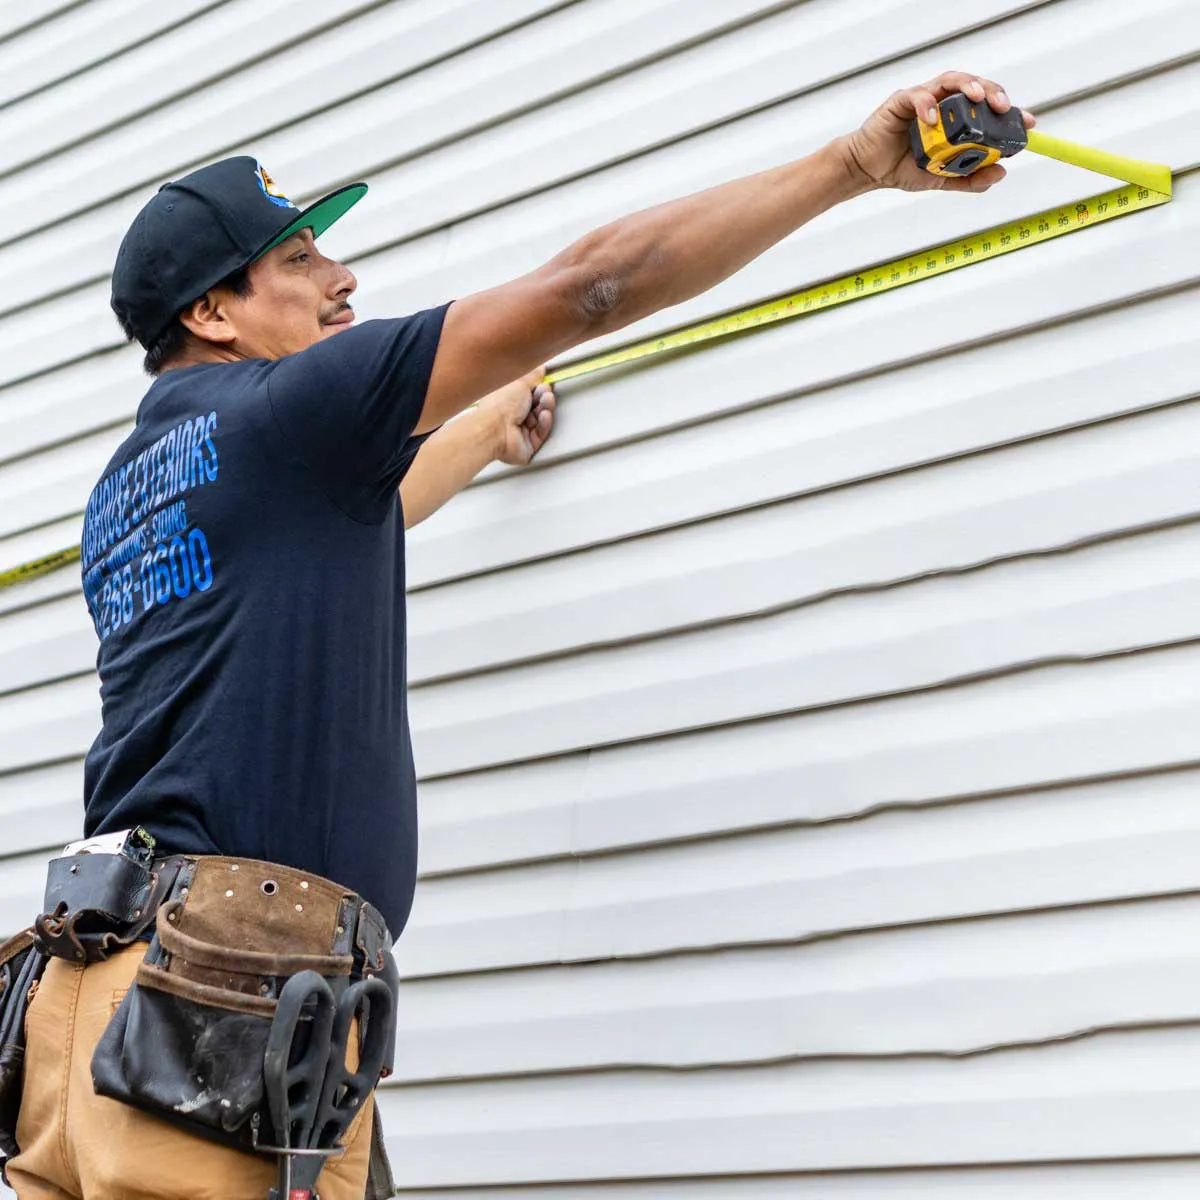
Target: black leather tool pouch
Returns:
[96, 904]
[188, 1040]
[21, 966]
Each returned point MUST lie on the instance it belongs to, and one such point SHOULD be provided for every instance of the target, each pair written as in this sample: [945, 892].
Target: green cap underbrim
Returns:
[319, 216]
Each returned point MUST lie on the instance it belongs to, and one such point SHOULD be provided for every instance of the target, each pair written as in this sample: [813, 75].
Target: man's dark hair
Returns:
[170, 343]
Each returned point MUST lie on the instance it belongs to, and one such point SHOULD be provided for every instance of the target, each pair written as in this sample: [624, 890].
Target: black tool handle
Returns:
[345, 1092]
[295, 1064]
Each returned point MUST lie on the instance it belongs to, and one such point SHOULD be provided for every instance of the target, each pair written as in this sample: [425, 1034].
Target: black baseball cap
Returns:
[197, 230]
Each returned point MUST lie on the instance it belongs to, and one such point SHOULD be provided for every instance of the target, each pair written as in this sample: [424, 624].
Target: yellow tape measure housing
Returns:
[968, 136]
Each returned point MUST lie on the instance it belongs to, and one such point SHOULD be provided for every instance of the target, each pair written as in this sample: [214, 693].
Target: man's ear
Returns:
[209, 318]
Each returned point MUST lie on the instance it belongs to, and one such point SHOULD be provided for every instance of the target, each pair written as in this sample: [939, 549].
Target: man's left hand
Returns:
[524, 413]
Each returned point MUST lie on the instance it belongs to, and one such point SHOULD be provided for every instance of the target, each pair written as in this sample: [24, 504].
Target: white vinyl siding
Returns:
[809, 741]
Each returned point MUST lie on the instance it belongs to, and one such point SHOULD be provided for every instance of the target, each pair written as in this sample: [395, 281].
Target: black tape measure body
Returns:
[968, 136]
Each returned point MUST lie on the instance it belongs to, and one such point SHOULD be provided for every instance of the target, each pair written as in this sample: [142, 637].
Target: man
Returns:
[243, 563]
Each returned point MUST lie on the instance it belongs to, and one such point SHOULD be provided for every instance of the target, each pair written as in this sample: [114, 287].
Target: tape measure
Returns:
[39, 566]
[966, 138]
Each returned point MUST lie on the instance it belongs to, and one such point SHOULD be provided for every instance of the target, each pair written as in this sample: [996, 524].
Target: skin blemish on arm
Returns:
[601, 296]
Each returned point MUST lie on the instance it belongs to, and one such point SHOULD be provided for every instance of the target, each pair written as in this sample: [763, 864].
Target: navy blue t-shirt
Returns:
[243, 562]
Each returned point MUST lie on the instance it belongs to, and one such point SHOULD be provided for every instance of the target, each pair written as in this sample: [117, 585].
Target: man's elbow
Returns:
[616, 286]
[608, 284]
[601, 297]
[595, 284]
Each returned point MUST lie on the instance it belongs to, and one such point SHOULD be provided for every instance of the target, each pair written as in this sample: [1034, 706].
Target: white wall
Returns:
[809, 742]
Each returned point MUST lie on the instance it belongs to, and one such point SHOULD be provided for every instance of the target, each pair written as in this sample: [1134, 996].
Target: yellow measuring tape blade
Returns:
[39, 566]
[1150, 175]
[1147, 185]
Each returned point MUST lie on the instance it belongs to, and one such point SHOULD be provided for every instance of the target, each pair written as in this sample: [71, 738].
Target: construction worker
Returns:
[251, 799]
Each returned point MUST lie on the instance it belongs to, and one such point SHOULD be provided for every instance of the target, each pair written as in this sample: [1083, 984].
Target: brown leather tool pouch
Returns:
[21, 966]
[188, 1040]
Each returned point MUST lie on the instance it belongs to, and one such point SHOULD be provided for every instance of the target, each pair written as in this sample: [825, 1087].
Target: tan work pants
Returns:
[77, 1144]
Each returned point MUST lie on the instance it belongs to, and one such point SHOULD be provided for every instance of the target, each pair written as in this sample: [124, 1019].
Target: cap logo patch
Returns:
[270, 188]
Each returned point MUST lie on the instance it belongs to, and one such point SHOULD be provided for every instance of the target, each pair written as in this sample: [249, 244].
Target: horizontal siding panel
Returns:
[16, 19]
[1035, 498]
[1117, 1096]
[42, 808]
[22, 887]
[48, 723]
[1131, 713]
[24, 547]
[83, 36]
[37, 489]
[955, 989]
[1089, 845]
[1100, 601]
[230, 38]
[71, 402]
[53, 586]
[46, 641]
[1173, 1180]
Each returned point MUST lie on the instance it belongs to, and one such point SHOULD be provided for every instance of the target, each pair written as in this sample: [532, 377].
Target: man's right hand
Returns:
[880, 153]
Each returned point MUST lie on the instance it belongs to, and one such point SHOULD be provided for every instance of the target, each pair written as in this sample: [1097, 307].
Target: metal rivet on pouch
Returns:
[229, 892]
[234, 867]
[299, 907]
[74, 868]
[304, 885]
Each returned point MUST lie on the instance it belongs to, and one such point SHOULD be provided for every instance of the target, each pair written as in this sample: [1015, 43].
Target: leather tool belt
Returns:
[189, 1039]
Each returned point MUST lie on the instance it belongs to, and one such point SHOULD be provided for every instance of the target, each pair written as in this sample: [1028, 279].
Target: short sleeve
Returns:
[347, 406]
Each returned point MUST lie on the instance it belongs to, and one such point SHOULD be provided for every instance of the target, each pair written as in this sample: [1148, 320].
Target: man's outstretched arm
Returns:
[664, 255]
[510, 426]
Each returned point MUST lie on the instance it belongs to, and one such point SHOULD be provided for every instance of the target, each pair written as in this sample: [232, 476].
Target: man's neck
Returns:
[194, 354]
